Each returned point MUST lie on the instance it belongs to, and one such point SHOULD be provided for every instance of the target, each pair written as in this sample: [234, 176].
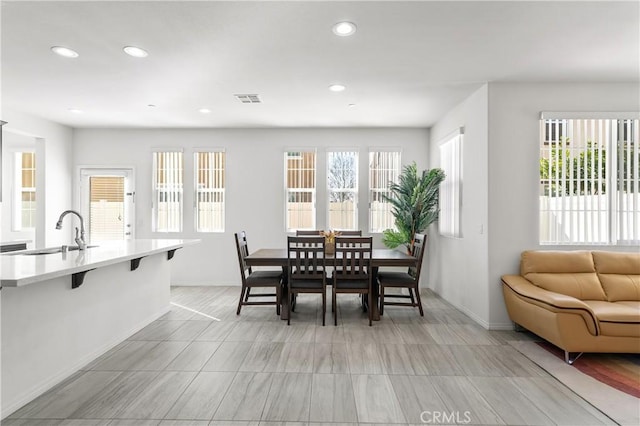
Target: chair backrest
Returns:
[314, 232]
[352, 260]
[419, 247]
[305, 258]
[243, 251]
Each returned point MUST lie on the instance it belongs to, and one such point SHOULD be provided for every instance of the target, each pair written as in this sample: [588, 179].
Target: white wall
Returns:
[514, 112]
[458, 267]
[13, 143]
[54, 159]
[254, 177]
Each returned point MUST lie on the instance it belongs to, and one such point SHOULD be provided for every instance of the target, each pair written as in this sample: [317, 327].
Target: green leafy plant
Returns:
[414, 201]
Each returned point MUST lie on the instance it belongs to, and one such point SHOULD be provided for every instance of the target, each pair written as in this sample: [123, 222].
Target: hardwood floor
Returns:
[202, 365]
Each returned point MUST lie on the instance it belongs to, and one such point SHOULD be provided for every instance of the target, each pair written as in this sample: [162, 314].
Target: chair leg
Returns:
[289, 310]
[278, 299]
[324, 305]
[381, 300]
[419, 301]
[246, 294]
[241, 297]
[370, 310]
[413, 301]
[334, 302]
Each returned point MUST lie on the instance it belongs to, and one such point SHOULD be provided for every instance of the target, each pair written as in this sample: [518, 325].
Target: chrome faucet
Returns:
[79, 238]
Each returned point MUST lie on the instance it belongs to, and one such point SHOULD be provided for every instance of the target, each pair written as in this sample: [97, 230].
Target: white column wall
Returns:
[13, 143]
[254, 182]
[458, 267]
[54, 159]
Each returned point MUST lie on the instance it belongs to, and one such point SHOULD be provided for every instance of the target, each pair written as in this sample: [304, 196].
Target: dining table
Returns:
[278, 257]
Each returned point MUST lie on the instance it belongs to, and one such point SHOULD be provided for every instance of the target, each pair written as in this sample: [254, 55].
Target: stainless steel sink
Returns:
[73, 248]
[50, 250]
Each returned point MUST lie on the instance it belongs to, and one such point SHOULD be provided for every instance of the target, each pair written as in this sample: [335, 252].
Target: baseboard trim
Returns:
[484, 324]
[38, 390]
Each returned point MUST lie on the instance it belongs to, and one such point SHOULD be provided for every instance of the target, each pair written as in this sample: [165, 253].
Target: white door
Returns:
[107, 203]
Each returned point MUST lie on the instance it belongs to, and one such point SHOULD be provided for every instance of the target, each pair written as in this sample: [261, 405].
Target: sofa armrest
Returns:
[555, 302]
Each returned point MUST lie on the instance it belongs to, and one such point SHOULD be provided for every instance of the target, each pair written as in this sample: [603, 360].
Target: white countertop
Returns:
[21, 269]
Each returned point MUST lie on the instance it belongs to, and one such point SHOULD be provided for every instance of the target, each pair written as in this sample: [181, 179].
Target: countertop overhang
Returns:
[17, 269]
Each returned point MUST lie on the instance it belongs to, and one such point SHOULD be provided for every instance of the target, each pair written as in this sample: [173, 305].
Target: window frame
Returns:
[384, 189]
[221, 191]
[18, 190]
[354, 190]
[179, 190]
[599, 222]
[451, 150]
[297, 154]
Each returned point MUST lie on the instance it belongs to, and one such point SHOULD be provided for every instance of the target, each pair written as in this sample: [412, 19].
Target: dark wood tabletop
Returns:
[379, 257]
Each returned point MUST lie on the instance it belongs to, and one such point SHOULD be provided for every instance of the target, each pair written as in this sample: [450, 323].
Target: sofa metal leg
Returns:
[568, 359]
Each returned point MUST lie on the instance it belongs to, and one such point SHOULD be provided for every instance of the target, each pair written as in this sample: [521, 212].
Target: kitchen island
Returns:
[62, 309]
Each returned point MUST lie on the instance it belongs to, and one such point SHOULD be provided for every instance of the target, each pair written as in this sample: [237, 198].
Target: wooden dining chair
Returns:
[352, 270]
[409, 280]
[252, 278]
[306, 269]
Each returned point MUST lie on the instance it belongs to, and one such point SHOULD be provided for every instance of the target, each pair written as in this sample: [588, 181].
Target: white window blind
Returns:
[450, 197]
[589, 181]
[300, 189]
[384, 169]
[210, 191]
[342, 185]
[106, 204]
[168, 173]
[24, 211]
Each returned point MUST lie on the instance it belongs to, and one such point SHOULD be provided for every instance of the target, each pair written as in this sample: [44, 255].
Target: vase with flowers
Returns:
[330, 241]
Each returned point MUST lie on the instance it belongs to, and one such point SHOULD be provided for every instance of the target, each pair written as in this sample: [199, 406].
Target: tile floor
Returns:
[202, 365]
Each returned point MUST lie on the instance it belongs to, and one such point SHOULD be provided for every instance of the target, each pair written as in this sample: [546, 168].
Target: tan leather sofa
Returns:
[581, 301]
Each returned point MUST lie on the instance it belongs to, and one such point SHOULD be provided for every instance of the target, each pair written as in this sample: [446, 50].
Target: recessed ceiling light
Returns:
[344, 29]
[136, 52]
[352, 105]
[151, 105]
[65, 52]
[337, 87]
[75, 110]
[204, 110]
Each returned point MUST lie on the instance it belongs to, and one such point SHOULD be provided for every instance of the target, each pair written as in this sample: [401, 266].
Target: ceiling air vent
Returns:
[248, 99]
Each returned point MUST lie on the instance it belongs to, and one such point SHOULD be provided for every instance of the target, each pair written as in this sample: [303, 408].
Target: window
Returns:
[342, 184]
[300, 188]
[589, 181]
[450, 197]
[384, 168]
[106, 208]
[209, 185]
[24, 215]
[168, 191]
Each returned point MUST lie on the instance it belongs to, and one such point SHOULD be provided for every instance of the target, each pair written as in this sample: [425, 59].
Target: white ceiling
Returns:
[408, 63]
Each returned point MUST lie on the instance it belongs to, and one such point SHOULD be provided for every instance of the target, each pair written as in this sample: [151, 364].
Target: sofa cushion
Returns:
[633, 303]
[616, 319]
[566, 272]
[619, 274]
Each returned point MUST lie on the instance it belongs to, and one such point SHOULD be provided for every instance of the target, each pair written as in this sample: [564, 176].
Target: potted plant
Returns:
[414, 201]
